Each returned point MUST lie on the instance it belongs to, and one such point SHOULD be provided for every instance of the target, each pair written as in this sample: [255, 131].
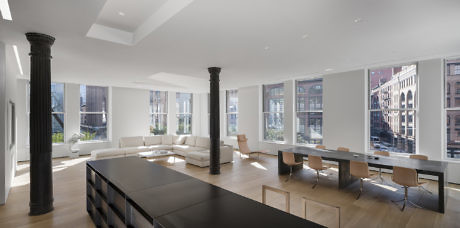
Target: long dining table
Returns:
[427, 167]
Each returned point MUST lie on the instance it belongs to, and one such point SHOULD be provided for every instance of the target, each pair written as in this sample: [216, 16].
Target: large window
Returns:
[232, 112]
[158, 112]
[392, 108]
[309, 108]
[452, 106]
[57, 111]
[93, 112]
[273, 111]
[184, 102]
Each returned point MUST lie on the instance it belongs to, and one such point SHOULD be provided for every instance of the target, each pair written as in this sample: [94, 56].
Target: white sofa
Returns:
[195, 149]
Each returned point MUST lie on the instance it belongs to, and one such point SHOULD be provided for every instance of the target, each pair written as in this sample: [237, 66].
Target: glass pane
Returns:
[274, 126]
[309, 127]
[309, 95]
[93, 98]
[57, 128]
[452, 86]
[453, 133]
[57, 97]
[184, 102]
[158, 102]
[273, 98]
[184, 124]
[393, 131]
[232, 101]
[93, 126]
[393, 87]
[232, 124]
[158, 124]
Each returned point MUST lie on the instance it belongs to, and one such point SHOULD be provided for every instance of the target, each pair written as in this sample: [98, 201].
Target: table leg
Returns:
[345, 178]
[442, 195]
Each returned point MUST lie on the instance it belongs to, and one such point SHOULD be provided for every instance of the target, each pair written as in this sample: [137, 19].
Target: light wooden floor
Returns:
[245, 177]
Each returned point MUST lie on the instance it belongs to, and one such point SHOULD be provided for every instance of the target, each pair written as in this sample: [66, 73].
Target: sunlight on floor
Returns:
[170, 160]
[21, 180]
[258, 165]
[22, 166]
[393, 189]
[65, 164]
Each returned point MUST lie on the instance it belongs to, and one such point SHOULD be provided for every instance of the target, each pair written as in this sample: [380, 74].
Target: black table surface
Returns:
[173, 199]
[428, 166]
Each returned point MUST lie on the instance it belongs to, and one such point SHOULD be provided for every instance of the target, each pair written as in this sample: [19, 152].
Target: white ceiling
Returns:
[233, 35]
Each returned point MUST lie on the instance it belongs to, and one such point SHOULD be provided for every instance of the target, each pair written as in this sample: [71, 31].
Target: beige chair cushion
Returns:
[153, 140]
[187, 148]
[202, 142]
[166, 139]
[131, 141]
[132, 150]
[179, 139]
[191, 140]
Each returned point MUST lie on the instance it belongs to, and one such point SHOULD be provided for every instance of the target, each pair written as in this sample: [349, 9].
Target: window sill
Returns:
[275, 142]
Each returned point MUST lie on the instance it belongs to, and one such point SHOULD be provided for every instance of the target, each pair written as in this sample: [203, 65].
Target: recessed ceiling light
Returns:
[305, 36]
[357, 20]
[329, 69]
[18, 60]
[266, 48]
[5, 9]
[121, 14]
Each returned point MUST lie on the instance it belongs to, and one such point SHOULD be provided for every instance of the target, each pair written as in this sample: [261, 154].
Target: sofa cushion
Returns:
[132, 150]
[152, 140]
[179, 139]
[202, 142]
[160, 147]
[131, 141]
[167, 140]
[199, 155]
[110, 152]
[190, 140]
[186, 148]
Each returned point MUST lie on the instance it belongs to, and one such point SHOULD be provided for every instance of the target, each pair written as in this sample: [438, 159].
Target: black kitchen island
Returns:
[132, 192]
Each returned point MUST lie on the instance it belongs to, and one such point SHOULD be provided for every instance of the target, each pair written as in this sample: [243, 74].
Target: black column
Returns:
[214, 122]
[41, 178]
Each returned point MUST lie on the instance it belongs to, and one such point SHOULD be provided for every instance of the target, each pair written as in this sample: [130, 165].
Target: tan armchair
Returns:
[360, 170]
[289, 160]
[420, 157]
[316, 163]
[244, 148]
[322, 147]
[407, 178]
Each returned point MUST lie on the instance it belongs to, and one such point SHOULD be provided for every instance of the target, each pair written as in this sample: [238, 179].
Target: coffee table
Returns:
[157, 154]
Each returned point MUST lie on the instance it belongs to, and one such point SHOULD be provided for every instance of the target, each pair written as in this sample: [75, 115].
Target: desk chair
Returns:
[316, 163]
[344, 149]
[385, 154]
[407, 178]
[420, 157]
[361, 170]
[289, 159]
[322, 147]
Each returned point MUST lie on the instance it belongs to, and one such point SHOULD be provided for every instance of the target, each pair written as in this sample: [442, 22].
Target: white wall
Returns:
[130, 113]
[7, 152]
[249, 114]
[344, 108]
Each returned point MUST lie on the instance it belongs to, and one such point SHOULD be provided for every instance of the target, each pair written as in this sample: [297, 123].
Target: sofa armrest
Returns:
[226, 153]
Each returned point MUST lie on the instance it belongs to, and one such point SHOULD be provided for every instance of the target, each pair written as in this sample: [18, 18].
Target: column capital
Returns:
[40, 44]
[214, 70]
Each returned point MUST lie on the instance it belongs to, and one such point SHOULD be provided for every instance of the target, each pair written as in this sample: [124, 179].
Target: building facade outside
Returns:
[452, 104]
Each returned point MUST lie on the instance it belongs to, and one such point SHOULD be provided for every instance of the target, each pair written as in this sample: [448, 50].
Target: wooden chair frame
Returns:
[304, 207]
[287, 195]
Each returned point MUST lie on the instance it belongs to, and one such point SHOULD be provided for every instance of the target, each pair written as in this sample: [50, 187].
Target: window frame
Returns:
[415, 102]
[151, 113]
[446, 109]
[269, 112]
[60, 113]
[307, 110]
[185, 114]
[227, 113]
[106, 113]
